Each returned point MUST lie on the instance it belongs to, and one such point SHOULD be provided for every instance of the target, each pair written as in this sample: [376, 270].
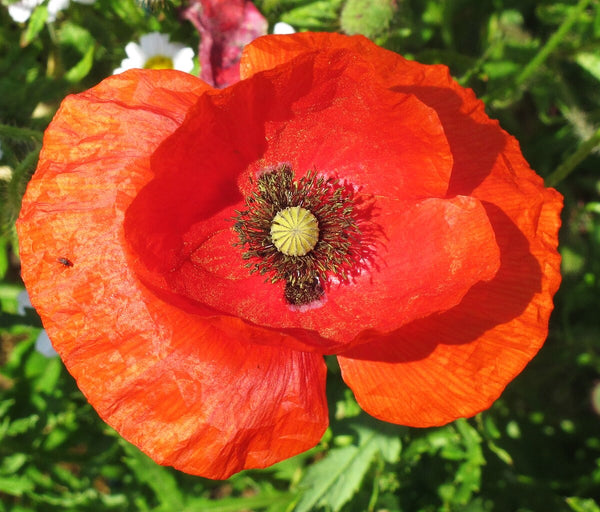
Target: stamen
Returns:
[303, 232]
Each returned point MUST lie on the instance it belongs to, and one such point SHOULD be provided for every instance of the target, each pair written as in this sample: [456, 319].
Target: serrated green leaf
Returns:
[72, 500]
[15, 485]
[582, 504]
[471, 438]
[467, 481]
[12, 463]
[36, 23]
[335, 479]
[158, 478]
[22, 425]
[385, 438]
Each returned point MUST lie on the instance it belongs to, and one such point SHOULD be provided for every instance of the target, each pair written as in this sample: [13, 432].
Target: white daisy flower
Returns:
[283, 28]
[21, 11]
[156, 52]
[42, 343]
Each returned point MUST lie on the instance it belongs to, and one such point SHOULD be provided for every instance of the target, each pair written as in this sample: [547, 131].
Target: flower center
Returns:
[295, 231]
[159, 62]
[303, 232]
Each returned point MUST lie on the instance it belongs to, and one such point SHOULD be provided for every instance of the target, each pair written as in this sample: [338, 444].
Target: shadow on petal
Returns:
[475, 146]
[485, 306]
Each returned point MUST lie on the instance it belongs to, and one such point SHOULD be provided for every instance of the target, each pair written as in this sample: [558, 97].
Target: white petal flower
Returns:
[42, 343]
[54, 6]
[283, 28]
[156, 52]
[21, 11]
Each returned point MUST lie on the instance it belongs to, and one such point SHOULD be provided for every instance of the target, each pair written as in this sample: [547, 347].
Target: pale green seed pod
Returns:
[294, 231]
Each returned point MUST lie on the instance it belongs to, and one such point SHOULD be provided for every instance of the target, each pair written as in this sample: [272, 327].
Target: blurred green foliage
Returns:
[537, 66]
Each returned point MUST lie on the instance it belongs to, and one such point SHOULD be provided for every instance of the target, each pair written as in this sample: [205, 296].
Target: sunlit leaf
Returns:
[590, 62]
[36, 23]
[335, 479]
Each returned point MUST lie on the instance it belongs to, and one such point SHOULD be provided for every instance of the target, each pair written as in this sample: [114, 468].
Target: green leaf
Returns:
[318, 15]
[82, 68]
[278, 501]
[335, 479]
[582, 504]
[22, 425]
[36, 23]
[5, 405]
[48, 378]
[69, 500]
[590, 62]
[78, 37]
[367, 17]
[385, 438]
[158, 478]
[15, 485]
[12, 463]
[3, 256]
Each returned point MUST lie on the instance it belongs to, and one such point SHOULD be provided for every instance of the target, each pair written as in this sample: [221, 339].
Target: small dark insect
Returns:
[64, 261]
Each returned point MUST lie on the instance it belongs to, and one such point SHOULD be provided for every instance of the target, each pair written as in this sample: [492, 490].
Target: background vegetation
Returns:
[537, 66]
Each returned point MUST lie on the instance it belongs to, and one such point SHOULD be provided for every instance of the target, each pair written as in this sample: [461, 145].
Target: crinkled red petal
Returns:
[315, 113]
[457, 363]
[190, 391]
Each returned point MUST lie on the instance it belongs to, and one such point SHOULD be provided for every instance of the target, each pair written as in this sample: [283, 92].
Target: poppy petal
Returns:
[181, 224]
[457, 363]
[192, 392]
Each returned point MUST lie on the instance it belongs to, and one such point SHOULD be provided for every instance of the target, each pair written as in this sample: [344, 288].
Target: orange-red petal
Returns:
[457, 363]
[314, 113]
[192, 392]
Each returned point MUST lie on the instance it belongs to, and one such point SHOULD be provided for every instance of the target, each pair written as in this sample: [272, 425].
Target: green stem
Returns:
[551, 44]
[54, 66]
[480, 61]
[16, 186]
[567, 167]
[376, 479]
[15, 132]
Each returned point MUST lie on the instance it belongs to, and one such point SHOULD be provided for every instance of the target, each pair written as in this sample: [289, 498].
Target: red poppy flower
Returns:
[339, 199]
